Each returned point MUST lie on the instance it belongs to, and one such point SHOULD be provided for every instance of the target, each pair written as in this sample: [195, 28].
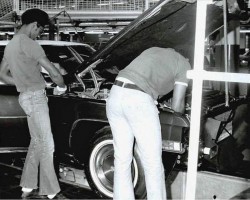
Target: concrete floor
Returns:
[10, 189]
[210, 185]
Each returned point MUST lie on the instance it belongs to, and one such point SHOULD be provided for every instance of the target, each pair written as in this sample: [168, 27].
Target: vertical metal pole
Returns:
[110, 6]
[17, 10]
[196, 99]
[225, 49]
[16, 4]
[58, 30]
[146, 5]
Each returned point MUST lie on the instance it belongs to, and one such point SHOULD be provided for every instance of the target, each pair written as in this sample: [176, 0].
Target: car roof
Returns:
[60, 43]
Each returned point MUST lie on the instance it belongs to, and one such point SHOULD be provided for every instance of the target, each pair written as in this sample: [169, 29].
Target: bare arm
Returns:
[178, 102]
[54, 73]
[5, 74]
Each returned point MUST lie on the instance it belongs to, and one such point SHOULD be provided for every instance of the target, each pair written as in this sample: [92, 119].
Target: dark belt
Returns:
[127, 85]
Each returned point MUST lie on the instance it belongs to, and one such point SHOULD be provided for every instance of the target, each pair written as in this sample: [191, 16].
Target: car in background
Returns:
[58, 52]
[12, 117]
[83, 138]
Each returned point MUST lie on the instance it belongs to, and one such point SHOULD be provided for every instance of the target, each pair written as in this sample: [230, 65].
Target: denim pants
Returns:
[41, 149]
[133, 114]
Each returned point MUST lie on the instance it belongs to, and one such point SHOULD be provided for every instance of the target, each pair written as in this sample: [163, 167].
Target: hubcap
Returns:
[102, 167]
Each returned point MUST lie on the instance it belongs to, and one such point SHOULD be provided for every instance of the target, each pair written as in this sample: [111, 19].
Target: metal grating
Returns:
[80, 5]
[6, 6]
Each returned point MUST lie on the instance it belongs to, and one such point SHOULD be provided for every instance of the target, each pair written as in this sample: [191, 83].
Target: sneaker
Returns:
[59, 196]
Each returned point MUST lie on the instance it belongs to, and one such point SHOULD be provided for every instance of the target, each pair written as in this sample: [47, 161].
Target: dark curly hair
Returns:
[35, 15]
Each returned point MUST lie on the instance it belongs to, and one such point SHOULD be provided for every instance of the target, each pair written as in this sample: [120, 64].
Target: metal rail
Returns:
[199, 75]
[13, 149]
[201, 13]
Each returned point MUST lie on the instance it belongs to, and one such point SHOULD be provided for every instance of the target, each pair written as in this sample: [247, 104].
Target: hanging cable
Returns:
[65, 13]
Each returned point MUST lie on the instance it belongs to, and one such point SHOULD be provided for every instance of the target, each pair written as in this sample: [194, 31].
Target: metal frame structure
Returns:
[88, 10]
[198, 74]
[85, 5]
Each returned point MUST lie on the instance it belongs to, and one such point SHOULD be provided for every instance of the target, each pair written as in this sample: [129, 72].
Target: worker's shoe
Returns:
[32, 195]
[29, 195]
[59, 196]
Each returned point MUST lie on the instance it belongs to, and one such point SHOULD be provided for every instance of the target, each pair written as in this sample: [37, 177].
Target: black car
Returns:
[83, 138]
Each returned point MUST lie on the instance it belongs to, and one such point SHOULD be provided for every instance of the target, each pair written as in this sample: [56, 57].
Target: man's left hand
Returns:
[59, 91]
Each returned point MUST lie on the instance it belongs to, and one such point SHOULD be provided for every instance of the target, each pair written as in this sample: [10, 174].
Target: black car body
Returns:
[80, 127]
[12, 117]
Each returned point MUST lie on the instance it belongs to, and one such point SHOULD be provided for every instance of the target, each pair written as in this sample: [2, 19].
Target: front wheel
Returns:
[100, 167]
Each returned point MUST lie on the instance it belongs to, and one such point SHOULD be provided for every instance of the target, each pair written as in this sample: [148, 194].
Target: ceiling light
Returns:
[102, 4]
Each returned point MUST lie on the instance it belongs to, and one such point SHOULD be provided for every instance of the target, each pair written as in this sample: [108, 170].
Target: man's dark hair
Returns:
[35, 15]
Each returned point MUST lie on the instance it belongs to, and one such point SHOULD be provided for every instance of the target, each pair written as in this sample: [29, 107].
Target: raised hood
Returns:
[168, 24]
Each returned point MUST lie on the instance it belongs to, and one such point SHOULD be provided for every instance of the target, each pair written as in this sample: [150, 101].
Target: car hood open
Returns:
[169, 24]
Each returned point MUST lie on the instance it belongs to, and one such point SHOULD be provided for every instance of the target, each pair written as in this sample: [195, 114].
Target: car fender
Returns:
[83, 130]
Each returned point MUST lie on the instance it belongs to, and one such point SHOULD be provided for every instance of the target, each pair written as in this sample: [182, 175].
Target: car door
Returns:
[13, 122]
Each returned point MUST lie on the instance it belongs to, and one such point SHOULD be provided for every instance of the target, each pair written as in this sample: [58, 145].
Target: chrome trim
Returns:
[13, 149]
[12, 117]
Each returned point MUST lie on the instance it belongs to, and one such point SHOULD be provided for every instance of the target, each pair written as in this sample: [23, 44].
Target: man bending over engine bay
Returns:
[132, 113]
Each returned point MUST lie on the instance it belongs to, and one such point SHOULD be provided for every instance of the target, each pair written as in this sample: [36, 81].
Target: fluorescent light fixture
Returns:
[119, 3]
[113, 32]
[94, 32]
[93, 24]
[113, 3]
[102, 4]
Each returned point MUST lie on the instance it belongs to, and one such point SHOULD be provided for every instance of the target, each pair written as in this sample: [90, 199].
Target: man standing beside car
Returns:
[21, 66]
[132, 113]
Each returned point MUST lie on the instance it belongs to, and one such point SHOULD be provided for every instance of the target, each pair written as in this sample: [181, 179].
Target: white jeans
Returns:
[133, 114]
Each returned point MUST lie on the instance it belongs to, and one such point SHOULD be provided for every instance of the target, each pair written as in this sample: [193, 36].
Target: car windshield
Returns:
[63, 56]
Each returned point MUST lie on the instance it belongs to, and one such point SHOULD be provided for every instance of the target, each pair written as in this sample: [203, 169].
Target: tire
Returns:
[99, 169]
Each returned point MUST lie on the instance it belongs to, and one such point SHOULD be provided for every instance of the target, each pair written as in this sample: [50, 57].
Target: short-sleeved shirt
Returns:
[22, 55]
[156, 71]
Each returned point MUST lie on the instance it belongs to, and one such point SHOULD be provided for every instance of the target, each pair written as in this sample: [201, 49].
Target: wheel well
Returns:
[82, 133]
[103, 131]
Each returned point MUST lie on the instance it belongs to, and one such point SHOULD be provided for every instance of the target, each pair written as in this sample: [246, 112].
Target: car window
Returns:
[85, 52]
[63, 56]
[1, 57]
[59, 53]
[1, 52]
[56, 53]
